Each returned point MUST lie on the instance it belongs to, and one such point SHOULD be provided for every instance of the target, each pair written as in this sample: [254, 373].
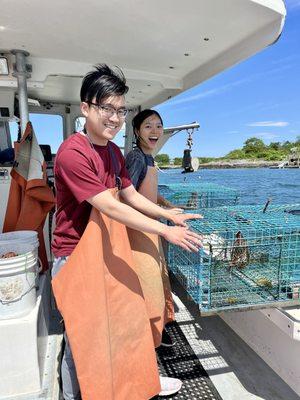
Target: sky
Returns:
[259, 97]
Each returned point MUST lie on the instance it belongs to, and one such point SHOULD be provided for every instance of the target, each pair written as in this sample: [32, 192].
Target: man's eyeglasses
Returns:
[109, 111]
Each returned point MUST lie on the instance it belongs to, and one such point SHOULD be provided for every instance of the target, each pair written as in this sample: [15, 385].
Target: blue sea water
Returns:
[255, 185]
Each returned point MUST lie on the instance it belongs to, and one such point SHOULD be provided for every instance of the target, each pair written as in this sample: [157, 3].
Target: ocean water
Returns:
[255, 185]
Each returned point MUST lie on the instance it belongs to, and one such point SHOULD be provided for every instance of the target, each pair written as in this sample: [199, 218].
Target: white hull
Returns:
[272, 344]
[270, 372]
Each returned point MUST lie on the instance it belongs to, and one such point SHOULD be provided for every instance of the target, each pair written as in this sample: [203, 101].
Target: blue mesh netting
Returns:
[249, 258]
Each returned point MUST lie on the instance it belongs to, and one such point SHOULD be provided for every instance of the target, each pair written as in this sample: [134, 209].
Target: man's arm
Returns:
[132, 218]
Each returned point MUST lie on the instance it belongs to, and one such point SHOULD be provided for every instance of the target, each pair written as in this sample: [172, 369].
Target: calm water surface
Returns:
[255, 185]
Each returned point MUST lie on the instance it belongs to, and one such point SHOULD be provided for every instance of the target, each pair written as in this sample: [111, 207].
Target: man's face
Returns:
[104, 122]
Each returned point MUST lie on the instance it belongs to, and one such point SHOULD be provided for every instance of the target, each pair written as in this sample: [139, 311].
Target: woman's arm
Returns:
[141, 203]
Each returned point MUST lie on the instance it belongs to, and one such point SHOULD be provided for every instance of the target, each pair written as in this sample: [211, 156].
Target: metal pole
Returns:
[129, 131]
[22, 75]
[68, 127]
[193, 125]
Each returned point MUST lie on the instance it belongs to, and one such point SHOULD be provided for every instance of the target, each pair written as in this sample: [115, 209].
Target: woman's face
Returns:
[150, 131]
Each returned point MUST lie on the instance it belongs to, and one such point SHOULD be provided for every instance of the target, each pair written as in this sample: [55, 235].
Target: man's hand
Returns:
[183, 237]
[130, 217]
[179, 219]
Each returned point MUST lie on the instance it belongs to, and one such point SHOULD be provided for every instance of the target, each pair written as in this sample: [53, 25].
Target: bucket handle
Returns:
[40, 267]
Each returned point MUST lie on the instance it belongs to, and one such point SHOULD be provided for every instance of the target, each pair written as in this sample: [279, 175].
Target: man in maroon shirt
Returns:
[86, 167]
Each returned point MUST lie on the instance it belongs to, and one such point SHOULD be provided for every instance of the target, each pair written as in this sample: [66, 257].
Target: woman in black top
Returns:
[148, 128]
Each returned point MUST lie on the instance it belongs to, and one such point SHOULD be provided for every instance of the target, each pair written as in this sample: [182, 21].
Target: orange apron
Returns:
[100, 298]
[151, 267]
[30, 197]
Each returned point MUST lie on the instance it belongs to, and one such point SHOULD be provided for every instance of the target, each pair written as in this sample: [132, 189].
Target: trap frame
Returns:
[250, 259]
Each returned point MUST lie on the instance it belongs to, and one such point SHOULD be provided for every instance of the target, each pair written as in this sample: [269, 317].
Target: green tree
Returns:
[205, 160]
[162, 159]
[178, 161]
[253, 146]
[286, 143]
[274, 155]
[275, 145]
[236, 154]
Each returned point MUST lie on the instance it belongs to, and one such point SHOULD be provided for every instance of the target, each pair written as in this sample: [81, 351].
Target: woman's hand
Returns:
[175, 211]
[179, 219]
[183, 237]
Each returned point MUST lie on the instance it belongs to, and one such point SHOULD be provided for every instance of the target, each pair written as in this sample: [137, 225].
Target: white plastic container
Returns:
[18, 277]
[27, 237]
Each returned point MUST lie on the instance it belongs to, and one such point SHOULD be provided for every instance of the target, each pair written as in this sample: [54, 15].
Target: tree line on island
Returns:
[253, 149]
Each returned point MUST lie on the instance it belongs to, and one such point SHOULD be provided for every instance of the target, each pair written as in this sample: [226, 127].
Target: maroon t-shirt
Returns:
[81, 171]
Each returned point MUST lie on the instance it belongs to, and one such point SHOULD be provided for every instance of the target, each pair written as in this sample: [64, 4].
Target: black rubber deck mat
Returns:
[181, 362]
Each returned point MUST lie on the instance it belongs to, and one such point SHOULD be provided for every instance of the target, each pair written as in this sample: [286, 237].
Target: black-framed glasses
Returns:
[109, 111]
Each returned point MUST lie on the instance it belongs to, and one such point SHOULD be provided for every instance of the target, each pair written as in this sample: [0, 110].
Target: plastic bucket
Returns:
[27, 237]
[18, 277]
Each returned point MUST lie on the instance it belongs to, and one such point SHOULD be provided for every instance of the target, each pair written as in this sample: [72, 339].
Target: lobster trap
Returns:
[194, 196]
[250, 259]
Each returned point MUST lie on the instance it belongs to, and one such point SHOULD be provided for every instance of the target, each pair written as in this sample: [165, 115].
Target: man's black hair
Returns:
[101, 83]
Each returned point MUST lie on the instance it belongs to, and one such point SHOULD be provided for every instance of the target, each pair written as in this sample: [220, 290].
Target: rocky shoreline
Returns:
[230, 164]
[240, 164]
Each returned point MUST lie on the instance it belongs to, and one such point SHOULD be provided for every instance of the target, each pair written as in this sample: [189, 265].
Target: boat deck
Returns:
[181, 362]
[235, 371]
[213, 362]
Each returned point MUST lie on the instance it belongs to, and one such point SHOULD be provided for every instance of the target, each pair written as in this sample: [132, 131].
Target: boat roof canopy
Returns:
[163, 47]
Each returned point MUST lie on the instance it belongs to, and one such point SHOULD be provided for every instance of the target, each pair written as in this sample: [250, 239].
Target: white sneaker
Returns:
[169, 386]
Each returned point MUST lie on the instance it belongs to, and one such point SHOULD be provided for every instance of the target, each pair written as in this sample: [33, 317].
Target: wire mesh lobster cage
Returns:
[192, 196]
[250, 259]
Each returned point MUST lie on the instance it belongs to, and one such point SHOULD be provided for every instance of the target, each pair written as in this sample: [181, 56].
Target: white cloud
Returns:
[266, 135]
[277, 124]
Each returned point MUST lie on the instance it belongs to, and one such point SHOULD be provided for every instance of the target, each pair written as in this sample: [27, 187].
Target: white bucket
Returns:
[28, 237]
[18, 277]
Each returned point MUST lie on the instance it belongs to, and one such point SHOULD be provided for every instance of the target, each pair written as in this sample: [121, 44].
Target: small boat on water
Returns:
[163, 48]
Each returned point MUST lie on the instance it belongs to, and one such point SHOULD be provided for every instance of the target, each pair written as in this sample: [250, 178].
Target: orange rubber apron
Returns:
[99, 296]
[30, 197]
[151, 267]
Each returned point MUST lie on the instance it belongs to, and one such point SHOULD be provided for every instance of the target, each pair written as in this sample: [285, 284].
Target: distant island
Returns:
[254, 154]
